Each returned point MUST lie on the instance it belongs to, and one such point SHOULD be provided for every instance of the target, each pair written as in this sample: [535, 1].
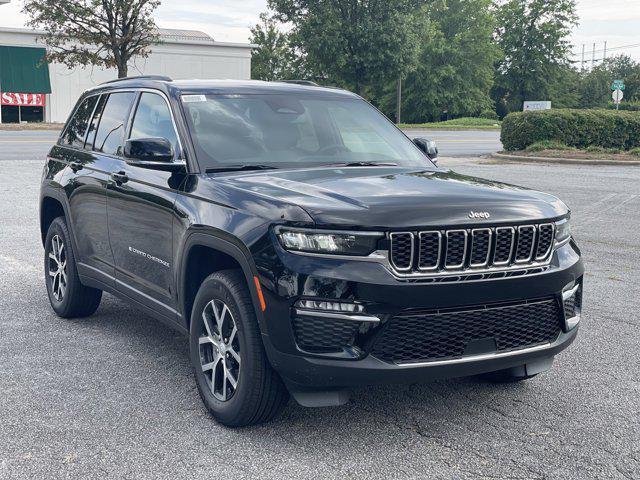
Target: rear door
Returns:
[141, 212]
[86, 191]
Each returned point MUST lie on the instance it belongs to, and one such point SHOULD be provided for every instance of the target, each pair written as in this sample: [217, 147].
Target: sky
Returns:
[615, 21]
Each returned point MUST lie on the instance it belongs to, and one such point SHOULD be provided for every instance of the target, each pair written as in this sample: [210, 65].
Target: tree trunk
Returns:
[123, 70]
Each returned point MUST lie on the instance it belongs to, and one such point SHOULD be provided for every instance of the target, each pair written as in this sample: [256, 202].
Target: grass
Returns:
[548, 145]
[463, 123]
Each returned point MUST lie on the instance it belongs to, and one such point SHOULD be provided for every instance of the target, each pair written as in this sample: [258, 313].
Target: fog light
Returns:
[572, 303]
[330, 306]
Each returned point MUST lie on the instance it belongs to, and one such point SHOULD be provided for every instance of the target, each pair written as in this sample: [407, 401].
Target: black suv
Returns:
[304, 244]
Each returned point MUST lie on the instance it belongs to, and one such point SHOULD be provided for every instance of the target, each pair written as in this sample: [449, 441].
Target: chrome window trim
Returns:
[513, 240]
[437, 265]
[486, 260]
[464, 255]
[413, 242]
[533, 245]
[551, 244]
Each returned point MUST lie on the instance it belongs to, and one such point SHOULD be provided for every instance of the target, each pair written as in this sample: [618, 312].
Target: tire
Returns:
[220, 360]
[68, 297]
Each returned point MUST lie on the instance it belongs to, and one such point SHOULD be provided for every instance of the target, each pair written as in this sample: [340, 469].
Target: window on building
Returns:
[110, 133]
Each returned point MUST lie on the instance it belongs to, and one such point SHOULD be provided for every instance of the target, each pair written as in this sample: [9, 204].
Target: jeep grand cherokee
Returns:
[303, 243]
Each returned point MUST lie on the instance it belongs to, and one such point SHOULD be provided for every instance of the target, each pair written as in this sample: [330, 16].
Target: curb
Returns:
[570, 161]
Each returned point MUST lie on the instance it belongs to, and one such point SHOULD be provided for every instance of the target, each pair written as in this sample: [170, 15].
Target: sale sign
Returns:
[23, 99]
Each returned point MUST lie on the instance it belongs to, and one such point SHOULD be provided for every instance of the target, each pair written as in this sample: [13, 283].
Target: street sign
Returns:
[617, 85]
[617, 95]
[531, 106]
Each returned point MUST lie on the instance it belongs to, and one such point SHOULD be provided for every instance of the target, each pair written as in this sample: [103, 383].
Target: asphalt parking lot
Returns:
[112, 396]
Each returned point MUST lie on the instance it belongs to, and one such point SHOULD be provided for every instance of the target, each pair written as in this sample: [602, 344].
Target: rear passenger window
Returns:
[153, 120]
[73, 136]
[95, 121]
[110, 134]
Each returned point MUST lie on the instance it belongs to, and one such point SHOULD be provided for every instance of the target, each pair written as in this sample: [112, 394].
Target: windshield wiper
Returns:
[363, 164]
[239, 168]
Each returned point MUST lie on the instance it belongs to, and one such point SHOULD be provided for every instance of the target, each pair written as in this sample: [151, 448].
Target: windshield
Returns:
[294, 131]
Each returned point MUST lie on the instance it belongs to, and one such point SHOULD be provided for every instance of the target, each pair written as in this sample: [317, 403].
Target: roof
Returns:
[224, 87]
[167, 35]
[178, 35]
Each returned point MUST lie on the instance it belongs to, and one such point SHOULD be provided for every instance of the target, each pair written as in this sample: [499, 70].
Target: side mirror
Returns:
[428, 147]
[153, 153]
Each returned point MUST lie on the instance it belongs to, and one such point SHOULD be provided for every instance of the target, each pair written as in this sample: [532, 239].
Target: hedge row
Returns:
[575, 128]
[630, 106]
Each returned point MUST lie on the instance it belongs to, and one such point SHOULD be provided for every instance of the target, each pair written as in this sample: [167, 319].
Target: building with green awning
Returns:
[24, 70]
[24, 84]
[32, 91]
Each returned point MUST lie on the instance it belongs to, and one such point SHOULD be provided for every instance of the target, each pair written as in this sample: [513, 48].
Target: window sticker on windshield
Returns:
[193, 98]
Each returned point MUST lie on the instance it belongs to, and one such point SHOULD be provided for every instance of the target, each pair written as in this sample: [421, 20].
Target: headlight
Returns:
[563, 231]
[337, 243]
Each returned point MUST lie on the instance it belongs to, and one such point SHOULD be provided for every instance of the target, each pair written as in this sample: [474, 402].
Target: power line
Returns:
[608, 49]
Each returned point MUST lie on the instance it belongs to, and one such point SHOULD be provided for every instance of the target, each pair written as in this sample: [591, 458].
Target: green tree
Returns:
[532, 35]
[455, 67]
[274, 58]
[105, 33]
[595, 85]
[353, 43]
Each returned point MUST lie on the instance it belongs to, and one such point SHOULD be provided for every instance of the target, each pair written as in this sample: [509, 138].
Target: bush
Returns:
[490, 114]
[629, 106]
[575, 128]
[635, 151]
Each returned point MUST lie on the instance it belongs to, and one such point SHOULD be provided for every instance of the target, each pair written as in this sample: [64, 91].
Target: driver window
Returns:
[153, 120]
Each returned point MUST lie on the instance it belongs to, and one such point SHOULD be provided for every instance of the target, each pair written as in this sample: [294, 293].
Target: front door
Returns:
[140, 204]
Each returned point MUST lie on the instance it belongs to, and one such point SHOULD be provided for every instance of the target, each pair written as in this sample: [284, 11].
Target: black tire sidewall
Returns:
[220, 286]
[59, 228]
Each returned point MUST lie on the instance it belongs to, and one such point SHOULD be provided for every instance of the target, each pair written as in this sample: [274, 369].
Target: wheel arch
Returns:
[204, 253]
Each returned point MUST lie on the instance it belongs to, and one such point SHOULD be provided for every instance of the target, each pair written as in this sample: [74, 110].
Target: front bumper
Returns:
[287, 277]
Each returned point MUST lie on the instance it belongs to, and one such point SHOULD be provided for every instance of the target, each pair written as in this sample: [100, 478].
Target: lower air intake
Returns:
[422, 336]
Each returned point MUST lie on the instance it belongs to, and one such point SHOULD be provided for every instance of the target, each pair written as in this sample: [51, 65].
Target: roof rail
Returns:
[301, 82]
[139, 77]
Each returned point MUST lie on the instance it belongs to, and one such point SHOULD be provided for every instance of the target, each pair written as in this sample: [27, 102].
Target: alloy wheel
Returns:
[220, 350]
[58, 268]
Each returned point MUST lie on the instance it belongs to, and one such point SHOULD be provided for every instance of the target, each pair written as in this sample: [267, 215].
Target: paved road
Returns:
[112, 396]
[36, 144]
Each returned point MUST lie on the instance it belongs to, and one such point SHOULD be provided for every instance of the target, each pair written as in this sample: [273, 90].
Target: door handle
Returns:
[120, 177]
[75, 166]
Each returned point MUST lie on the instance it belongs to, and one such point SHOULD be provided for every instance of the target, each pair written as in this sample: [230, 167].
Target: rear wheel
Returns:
[234, 378]
[68, 297]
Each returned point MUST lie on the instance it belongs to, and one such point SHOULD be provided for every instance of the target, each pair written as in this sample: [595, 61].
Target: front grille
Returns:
[470, 249]
[321, 335]
[422, 336]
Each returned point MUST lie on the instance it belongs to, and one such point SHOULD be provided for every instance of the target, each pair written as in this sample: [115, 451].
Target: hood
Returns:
[393, 197]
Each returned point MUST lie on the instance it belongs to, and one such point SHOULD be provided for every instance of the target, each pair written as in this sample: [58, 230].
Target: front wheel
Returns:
[234, 378]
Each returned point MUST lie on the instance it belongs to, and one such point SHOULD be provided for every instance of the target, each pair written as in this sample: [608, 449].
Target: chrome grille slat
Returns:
[429, 250]
[456, 249]
[402, 246]
[468, 251]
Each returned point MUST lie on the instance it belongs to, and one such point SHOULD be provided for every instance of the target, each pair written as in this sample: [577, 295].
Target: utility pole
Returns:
[399, 102]
[582, 63]
[604, 55]
[593, 56]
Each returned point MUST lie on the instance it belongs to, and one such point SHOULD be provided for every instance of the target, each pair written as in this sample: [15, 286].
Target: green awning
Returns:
[23, 70]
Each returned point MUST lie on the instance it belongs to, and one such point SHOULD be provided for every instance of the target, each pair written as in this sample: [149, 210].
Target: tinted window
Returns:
[74, 134]
[95, 121]
[110, 132]
[153, 119]
[289, 131]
